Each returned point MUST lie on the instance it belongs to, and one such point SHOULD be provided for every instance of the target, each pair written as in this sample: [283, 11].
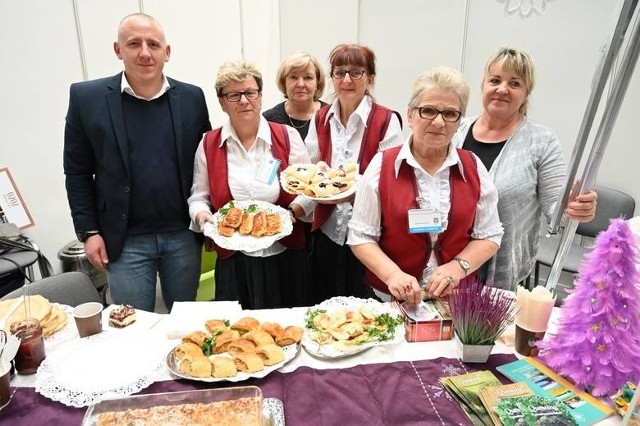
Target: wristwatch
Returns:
[85, 235]
[464, 264]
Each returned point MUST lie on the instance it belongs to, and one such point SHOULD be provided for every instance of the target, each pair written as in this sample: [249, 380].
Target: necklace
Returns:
[304, 122]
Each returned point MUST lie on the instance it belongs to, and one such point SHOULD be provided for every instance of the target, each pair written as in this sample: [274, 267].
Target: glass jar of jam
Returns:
[31, 351]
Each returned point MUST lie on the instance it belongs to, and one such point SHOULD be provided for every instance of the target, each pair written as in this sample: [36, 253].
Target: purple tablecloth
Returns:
[400, 393]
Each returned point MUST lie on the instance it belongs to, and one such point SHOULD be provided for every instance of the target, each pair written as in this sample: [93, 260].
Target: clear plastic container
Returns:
[250, 410]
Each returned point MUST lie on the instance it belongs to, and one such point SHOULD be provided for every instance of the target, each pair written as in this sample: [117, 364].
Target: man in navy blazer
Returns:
[129, 146]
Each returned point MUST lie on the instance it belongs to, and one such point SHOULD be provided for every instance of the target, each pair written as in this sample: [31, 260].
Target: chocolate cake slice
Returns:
[122, 316]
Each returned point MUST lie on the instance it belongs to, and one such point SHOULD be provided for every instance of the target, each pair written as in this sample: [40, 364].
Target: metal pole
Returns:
[620, 86]
[601, 76]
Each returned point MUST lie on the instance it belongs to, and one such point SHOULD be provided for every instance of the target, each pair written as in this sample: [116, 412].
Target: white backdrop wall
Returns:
[46, 45]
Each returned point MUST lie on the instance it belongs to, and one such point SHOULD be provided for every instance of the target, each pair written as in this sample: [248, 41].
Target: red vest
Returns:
[220, 193]
[411, 251]
[374, 132]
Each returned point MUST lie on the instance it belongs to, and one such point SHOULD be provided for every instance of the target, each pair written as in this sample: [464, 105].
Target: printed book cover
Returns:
[466, 388]
[491, 395]
[585, 408]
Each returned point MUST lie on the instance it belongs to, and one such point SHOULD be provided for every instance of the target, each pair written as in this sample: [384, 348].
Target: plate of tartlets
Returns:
[248, 225]
[234, 352]
[321, 183]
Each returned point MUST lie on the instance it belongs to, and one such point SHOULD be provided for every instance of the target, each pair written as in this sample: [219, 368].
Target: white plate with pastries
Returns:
[343, 326]
[274, 224]
[234, 352]
[318, 184]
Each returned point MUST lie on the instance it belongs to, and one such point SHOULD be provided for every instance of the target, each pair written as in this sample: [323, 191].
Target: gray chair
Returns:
[612, 204]
[69, 288]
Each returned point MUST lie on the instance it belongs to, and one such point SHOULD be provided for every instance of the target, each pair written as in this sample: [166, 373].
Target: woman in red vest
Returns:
[236, 162]
[350, 130]
[426, 213]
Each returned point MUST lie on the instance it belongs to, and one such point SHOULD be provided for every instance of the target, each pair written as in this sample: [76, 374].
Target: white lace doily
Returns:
[86, 371]
[350, 303]
[247, 242]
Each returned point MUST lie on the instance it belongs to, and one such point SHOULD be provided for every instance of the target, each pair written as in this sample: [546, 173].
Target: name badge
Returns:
[267, 171]
[422, 221]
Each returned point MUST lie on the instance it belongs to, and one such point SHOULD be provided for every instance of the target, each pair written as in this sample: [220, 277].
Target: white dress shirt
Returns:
[345, 148]
[125, 87]
[364, 226]
[242, 166]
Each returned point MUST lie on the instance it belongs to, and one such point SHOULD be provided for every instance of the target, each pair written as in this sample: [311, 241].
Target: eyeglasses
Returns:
[251, 95]
[430, 113]
[355, 74]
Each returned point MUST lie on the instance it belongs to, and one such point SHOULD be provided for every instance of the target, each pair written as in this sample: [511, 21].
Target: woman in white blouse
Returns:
[236, 162]
[425, 214]
[350, 130]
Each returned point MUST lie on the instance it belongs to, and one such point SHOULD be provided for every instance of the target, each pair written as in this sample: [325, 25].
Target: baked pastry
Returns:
[223, 366]
[215, 325]
[241, 345]
[249, 362]
[247, 224]
[223, 340]
[271, 354]
[233, 218]
[291, 334]
[122, 316]
[245, 325]
[225, 231]
[196, 337]
[303, 173]
[259, 337]
[273, 328]
[187, 349]
[274, 224]
[259, 224]
[197, 366]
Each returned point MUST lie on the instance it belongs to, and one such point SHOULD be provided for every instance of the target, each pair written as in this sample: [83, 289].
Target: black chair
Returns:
[612, 204]
[68, 288]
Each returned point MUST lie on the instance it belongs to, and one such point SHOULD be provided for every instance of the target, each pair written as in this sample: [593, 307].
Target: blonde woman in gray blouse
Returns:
[525, 161]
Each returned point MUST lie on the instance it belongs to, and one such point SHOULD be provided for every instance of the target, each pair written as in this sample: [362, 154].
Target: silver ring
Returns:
[449, 278]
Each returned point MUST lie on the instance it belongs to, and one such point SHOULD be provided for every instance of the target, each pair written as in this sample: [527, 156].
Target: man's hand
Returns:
[96, 252]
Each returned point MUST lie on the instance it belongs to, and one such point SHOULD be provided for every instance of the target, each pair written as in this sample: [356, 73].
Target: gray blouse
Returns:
[528, 174]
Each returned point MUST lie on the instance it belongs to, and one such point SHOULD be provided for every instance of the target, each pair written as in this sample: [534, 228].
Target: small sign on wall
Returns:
[12, 206]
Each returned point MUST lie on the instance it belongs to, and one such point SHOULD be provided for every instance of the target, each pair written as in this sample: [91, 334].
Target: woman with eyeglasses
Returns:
[525, 161]
[236, 162]
[425, 215]
[350, 130]
[301, 81]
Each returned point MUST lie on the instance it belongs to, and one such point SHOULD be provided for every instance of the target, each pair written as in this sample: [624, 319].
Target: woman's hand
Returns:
[444, 279]
[583, 207]
[203, 217]
[404, 287]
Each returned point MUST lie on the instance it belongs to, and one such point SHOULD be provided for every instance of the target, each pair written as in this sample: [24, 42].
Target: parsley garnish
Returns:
[252, 208]
[311, 314]
[210, 343]
[223, 211]
[383, 328]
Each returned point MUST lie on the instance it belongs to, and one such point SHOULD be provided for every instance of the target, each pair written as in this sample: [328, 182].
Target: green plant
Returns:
[480, 313]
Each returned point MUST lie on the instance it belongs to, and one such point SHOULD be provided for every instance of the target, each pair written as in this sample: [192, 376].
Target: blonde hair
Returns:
[517, 62]
[297, 62]
[236, 71]
[442, 78]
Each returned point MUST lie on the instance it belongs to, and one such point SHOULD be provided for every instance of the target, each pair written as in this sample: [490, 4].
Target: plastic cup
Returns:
[88, 318]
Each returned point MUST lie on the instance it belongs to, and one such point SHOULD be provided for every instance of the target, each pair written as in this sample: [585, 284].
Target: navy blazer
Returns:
[96, 153]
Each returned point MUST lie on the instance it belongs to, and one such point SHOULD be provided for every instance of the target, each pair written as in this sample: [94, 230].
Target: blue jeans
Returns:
[174, 256]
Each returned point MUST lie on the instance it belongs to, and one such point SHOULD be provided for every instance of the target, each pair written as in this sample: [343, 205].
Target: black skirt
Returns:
[279, 281]
[336, 271]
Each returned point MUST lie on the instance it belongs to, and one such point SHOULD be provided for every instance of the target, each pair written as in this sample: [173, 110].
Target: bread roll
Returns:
[259, 224]
[259, 337]
[290, 335]
[247, 224]
[233, 218]
[241, 345]
[249, 362]
[271, 354]
[273, 328]
[245, 325]
[215, 325]
[223, 340]
[196, 337]
[223, 367]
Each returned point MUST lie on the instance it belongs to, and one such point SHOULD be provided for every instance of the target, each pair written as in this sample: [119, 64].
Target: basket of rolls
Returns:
[234, 351]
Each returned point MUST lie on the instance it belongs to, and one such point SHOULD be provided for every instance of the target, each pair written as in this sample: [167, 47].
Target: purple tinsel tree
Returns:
[597, 344]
